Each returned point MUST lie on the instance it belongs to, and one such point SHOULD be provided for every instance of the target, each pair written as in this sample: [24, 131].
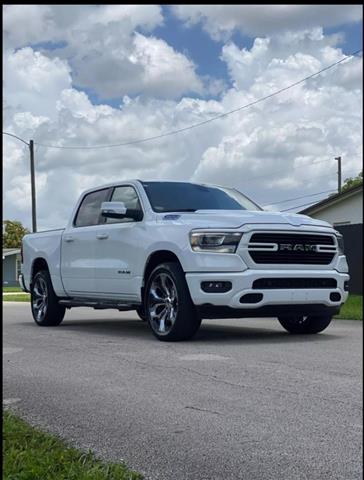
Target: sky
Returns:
[94, 75]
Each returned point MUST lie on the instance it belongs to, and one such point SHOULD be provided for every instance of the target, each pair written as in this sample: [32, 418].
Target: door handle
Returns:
[68, 238]
[102, 236]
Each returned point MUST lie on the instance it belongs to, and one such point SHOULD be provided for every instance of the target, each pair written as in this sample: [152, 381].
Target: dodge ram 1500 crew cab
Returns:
[177, 252]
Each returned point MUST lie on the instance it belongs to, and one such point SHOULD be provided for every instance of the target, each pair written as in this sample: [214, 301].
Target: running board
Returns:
[97, 305]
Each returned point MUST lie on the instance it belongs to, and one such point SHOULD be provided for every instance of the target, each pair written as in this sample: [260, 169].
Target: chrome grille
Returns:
[291, 248]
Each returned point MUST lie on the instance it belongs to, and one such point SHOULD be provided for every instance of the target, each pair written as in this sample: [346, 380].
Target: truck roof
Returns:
[137, 180]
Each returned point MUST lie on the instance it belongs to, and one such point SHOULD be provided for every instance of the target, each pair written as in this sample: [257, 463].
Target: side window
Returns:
[89, 211]
[130, 198]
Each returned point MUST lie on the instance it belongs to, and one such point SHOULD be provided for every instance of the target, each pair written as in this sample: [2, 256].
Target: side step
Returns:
[122, 307]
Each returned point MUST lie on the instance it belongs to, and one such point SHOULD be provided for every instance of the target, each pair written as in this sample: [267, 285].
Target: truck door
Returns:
[79, 245]
[119, 250]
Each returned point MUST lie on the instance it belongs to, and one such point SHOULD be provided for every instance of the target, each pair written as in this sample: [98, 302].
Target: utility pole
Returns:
[338, 174]
[32, 179]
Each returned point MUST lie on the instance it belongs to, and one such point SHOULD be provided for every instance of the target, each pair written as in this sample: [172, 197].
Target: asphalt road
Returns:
[244, 400]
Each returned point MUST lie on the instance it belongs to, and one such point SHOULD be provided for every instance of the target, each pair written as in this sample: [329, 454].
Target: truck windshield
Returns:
[189, 197]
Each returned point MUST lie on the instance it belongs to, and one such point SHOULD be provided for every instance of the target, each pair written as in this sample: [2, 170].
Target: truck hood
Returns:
[239, 218]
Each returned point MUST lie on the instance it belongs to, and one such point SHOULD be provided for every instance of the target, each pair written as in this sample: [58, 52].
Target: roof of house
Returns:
[10, 251]
[338, 197]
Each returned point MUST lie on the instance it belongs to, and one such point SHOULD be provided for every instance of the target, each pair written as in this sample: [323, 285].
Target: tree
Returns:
[13, 232]
[353, 182]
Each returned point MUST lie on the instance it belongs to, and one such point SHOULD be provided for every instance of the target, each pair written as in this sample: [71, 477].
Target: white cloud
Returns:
[31, 24]
[24, 24]
[290, 55]
[166, 72]
[105, 48]
[32, 81]
[81, 106]
[139, 65]
[147, 16]
[220, 21]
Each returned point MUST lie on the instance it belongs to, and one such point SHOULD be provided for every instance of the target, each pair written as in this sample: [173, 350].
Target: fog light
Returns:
[216, 287]
[335, 297]
[346, 285]
[251, 298]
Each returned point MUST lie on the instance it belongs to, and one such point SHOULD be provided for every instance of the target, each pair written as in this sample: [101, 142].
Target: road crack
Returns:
[203, 410]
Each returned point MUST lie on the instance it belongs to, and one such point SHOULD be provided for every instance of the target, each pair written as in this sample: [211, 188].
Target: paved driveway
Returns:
[244, 400]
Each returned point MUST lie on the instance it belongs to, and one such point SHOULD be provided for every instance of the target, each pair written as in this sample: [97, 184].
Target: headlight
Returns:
[215, 242]
[340, 243]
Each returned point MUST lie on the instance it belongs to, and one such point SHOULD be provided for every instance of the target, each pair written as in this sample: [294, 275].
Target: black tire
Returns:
[177, 304]
[301, 324]
[42, 293]
[141, 313]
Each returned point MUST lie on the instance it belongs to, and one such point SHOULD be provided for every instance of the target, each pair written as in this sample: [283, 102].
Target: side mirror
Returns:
[119, 210]
[113, 209]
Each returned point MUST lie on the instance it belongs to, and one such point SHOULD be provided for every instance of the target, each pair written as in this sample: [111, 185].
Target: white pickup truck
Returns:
[177, 252]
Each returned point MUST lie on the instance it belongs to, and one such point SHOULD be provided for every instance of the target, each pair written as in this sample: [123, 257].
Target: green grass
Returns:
[12, 289]
[17, 298]
[352, 309]
[29, 454]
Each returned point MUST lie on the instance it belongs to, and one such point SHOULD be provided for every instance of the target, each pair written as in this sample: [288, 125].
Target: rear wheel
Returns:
[169, 309]
[45, 308]
[305, 324]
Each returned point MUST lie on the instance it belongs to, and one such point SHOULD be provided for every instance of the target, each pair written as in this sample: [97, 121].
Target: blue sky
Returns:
[353, 36]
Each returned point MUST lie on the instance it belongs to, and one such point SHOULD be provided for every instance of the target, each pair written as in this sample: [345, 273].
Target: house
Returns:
[344, 208]
[345, 212]
[11, 266]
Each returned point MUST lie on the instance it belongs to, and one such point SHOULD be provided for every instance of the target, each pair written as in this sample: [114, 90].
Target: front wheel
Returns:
[45, 308]
[305, 324]
[169, 309]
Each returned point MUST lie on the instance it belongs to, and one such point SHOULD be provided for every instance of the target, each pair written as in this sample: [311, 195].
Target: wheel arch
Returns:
[156, 258]
[40, 263]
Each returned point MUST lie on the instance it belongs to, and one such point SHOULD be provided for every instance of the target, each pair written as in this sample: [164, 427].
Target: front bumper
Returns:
[242, 283]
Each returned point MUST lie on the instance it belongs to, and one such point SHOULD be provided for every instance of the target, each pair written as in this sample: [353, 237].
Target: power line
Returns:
[312, 178]
[297, 198]
[15, 136]
[247, 179]
[204, 122]
[298, 206]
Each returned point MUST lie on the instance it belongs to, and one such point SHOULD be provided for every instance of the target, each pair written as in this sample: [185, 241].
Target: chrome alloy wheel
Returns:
[40, 299]
[162, 303]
